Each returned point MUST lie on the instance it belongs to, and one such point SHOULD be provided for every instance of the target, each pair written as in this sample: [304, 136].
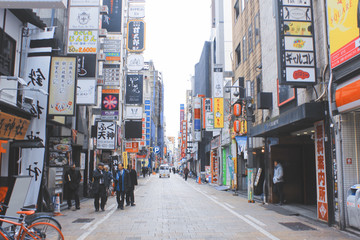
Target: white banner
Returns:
[86, 92]
[84, 18]
[106, 135]
[218, 82]
[133, 112]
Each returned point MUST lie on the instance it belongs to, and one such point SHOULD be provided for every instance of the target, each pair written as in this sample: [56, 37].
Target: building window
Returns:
[257, 28]
[238, 55]
[258, 83]
[7, 54]
[236, 10]
[250, 39]
[242, 5]
[244, 49]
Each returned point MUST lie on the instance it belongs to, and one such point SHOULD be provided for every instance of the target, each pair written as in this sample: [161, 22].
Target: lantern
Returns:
[237, 125]
[237, 109]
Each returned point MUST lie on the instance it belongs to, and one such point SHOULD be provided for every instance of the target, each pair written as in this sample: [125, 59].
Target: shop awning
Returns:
[347, 95]
[295, 119]
[27, 15]
[28, 143]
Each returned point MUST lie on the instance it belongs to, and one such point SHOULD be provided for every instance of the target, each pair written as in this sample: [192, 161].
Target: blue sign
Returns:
[156, 149]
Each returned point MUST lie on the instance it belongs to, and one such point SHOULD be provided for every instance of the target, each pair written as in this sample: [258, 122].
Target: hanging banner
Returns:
[134, 89]
[218, 112]
[112, 21]
[106, 135]
[37, 71]
[322, 203]
[296, 54]
[183, 138]
[135, 39]
[343, 25]
[62, 86]
[84, 18]
[206, 108]
[12, 127]
[218, 81]
[82, 41]
[86, 92]
[182, 115]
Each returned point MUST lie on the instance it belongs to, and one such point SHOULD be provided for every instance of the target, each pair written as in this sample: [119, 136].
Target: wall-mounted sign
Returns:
[136, 11]
[110, 102]
[84, 18]
[112, 49]
[112, 21]
[206, 108]
[134, 89]
[183, 138]
[135, 39]
[62, 86]
[33, 4]
[82, 41]
[218, 82]
[135, 62]
[218, 112]
[59, 151]
[132, 147]
[111, 74]
[106, 135]
[86, 92]
[12, 127]
[86, 65]
[84, 2]
[296, 53]
[132, 112]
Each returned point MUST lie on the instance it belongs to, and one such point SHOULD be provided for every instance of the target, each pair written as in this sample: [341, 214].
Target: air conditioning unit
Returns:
[264, 100]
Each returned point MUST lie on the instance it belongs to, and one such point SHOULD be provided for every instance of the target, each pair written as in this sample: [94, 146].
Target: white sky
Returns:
[175, 34]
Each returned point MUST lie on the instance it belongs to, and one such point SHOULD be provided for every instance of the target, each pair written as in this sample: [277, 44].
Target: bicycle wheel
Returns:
[42, 230]
[41, 218]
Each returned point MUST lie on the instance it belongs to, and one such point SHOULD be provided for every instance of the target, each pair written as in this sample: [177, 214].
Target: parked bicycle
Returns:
[20, 228]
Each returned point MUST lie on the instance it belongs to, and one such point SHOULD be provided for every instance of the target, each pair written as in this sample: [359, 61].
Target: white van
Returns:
[164, 171]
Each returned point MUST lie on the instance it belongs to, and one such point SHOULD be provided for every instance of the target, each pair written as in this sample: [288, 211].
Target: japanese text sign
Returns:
[13, 127]
[106, 135]
[218, 112]
[112, 21]
[134, 89]
[82, 41]
[135, 36]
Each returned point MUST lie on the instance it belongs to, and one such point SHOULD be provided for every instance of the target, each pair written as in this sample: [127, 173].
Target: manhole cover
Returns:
[83, 220]
[297, 226]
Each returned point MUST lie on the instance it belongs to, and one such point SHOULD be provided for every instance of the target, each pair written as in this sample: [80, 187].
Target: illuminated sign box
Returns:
[33, 4]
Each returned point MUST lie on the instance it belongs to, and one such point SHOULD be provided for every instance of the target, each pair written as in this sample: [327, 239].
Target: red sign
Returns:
[132, 147]
[183, 138]
[322, 204]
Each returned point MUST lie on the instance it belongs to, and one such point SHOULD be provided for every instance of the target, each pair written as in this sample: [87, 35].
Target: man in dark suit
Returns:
[122, 184]
[99, 189]
[130, 199]
[72, 180]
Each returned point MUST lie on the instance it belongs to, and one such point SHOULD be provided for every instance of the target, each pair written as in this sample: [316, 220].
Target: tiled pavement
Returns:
[175, 209]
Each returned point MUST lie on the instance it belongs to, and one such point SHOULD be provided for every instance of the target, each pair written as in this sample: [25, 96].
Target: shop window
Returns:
[7, 54]
[257, 28]
[238, 55]
[250, 39]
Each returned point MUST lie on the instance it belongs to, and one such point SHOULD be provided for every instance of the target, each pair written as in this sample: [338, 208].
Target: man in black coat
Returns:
[122, 184]
[99, 188]
[72, 180]
[130, 199]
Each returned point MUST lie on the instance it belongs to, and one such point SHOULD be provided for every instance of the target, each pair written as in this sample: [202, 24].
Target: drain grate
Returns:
[83, 220]
[297, 226]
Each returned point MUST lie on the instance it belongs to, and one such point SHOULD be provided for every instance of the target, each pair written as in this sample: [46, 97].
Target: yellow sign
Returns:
[12, 127]
[125, 159]
[343, 30]
[298, 28]
[218, 112]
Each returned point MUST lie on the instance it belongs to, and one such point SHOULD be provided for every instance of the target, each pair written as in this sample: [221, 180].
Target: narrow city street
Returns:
[171, 208]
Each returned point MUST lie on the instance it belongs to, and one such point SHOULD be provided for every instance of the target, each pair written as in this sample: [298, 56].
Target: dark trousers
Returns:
[73, 193]
[101, 194]
[120, 195]
[130, 197]
[278, 187]
[186, 175]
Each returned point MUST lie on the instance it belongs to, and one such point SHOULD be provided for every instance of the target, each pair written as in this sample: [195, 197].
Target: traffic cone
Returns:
[199, 180]
[57, 206]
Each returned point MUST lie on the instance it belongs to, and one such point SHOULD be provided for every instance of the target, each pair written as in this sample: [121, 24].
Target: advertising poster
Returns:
[343, 17]
[59, 151]
[112, 21]
[82, 41]
[62, 86]
[106, 135]
[135, 36]
[134, 89]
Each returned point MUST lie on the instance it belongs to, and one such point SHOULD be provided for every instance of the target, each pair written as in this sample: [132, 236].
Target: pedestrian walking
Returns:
[108, 178]
[99, 188]
[122, 182]
[149, 171]
[278, 180]
[173, 169]
[186, 173]
[72, 181]
[130, 198]
[143, 170]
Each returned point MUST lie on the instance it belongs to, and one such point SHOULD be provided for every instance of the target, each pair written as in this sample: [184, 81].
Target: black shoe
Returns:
[122, 208]
[133, 204]
[128, 204]
[96, 210]
[77, 208]
[102, 209]
[118, 207]
[69, 207]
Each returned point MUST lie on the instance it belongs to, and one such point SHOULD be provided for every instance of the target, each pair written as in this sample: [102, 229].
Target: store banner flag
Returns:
[218, 112]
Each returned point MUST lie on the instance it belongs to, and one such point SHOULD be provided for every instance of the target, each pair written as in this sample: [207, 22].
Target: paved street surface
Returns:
[175, 209]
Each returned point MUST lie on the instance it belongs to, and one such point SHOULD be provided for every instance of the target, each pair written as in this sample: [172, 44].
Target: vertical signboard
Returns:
[343, 25]
[82, 41]
[86, 65]
[218, 82]
[322, 203]
[206, 109]
[197, 119]
[62, 86]
[135, 39]
[106, 135]
[112, 21]
[84, 18]
[218, 112]
[182, 115]
[296, 51]
[86, 92]
[37, 71]
[110, 102]
[112, 49]
[134, 89]
[111, 74]
[147, 122]
[183, 138]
